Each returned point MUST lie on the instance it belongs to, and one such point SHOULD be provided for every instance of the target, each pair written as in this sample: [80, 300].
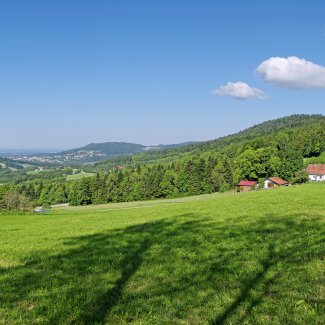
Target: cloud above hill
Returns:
[239, 90]
[292, 72]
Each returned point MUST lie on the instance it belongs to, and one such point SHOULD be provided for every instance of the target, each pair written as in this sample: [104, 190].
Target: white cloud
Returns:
[293, 72]
[239, 90]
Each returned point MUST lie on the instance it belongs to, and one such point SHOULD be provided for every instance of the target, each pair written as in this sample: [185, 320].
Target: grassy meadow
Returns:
[79, 176]
[252, 258]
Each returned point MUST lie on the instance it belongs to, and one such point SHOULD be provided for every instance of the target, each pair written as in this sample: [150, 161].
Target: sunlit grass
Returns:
[244, 258]
[79, 176]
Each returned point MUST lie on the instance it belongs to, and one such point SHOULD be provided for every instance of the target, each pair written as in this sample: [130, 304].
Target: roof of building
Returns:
[247, 183]
[316, 169]
[278, 180]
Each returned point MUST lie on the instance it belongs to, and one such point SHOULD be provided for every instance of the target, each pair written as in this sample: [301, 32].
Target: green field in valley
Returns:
[79, 176]
[254, 258]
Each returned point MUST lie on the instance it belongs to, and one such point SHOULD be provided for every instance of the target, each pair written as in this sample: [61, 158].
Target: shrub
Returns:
[301, 176]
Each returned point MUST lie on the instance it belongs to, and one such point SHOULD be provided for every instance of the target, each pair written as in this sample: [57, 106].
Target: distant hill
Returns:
[124, 148]
[9, 163]
[109, 149]
[91, 153]
[278, 147]
[95, 152]
[109, 154]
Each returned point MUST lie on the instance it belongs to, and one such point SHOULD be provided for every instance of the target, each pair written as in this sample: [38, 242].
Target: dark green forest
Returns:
[274, 148]
[265, 130]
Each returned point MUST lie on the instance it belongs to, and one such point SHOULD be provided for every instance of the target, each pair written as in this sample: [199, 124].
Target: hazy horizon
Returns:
[58, 149]
[160, 72]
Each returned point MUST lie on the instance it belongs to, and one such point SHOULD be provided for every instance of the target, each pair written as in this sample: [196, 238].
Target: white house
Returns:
[316, 172]
[273, 182]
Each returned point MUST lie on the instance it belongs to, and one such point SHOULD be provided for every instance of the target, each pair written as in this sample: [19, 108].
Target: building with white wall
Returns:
[273, 182]
[316, 172]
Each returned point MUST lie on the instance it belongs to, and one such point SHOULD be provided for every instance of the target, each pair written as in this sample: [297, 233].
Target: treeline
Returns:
[6, 163]
[216, 166]
[266, 130]
[30, 174]
[12, 200]
[219, 169]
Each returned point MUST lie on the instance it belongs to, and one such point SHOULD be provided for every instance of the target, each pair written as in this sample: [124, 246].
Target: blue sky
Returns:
[75, 72]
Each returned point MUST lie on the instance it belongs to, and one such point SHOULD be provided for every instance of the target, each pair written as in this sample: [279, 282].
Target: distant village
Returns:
[79, 155]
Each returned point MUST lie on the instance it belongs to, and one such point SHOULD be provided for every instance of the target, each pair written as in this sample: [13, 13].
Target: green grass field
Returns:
[253, 258]
[37, 171]
[79, 176]
[315, 160]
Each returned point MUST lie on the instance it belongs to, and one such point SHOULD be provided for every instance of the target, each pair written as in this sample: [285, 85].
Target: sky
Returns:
[155, 72]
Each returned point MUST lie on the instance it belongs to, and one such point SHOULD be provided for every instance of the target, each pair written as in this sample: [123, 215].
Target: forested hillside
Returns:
[260, 132]
[120, 149]
[8, 163]
[273, 148]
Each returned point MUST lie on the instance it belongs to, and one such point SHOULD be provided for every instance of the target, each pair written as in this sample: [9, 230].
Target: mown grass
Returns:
[37, 171]
[254, 258]
[79, 176]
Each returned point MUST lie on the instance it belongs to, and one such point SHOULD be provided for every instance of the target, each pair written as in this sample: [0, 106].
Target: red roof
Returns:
[317, 169]
[247, 183]
[278, 180]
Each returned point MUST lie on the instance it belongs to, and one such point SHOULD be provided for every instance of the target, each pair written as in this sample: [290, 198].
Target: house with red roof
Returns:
[316, 172]
[273, 182]
[245, 186]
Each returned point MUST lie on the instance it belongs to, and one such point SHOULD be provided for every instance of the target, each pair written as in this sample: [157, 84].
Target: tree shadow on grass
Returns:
[247, 287]
[287, 244]
[158, 272]
[105, 302]
[115, 255]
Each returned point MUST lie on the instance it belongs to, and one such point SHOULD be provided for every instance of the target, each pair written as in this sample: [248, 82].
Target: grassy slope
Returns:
[79, 176]
[315, 160]
[255, 257]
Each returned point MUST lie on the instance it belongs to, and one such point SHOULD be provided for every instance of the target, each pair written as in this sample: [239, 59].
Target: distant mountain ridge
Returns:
[121, 148]
[95, 152]
[110, 149]
[124, 153]
[255, 134]
[91, 153]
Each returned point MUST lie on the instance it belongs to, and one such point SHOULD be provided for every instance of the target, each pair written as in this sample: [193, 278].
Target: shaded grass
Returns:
[251, 258]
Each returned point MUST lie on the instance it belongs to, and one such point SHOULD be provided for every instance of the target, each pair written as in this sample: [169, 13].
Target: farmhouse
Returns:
[245, 186]
[316, 172]
[273, 182]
